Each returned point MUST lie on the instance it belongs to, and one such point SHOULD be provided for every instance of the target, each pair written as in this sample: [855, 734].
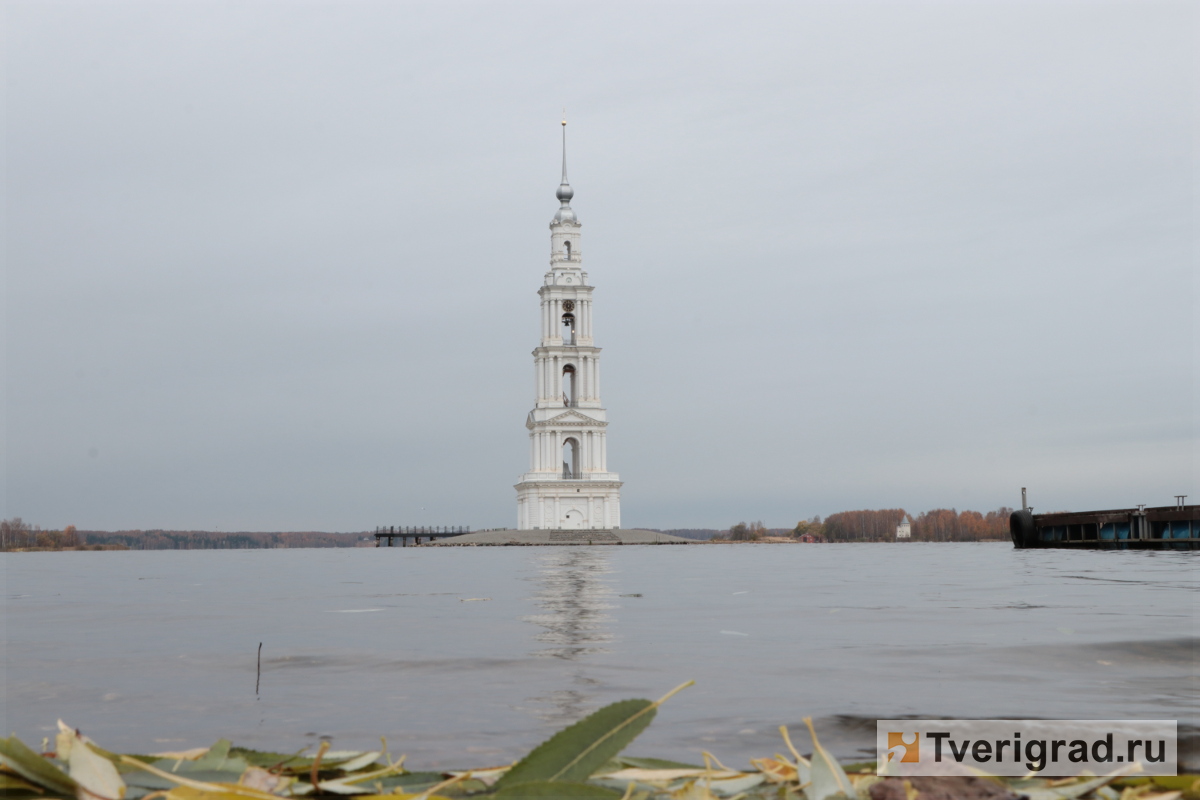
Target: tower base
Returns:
[559, 504]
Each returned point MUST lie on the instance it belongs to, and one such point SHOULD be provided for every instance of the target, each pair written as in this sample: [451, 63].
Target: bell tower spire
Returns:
[564, 126]
[568, 484]
[565, 192]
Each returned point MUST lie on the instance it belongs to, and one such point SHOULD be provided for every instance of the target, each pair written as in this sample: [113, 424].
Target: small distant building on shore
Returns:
[904, 529]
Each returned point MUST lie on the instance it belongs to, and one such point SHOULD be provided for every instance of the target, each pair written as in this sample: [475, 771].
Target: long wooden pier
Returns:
[389, 533]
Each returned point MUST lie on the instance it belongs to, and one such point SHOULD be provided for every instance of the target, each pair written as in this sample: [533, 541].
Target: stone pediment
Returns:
[571, 417]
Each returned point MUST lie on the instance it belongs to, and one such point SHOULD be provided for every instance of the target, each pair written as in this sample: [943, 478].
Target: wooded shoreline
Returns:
[937, 525]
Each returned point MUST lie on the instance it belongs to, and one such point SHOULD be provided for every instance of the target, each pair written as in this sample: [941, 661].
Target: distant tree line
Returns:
[750, 532]
[216, 540]
[700, 534]
[15, 534]
[948, 525]
[862, 526]
[938, 525]
[743, 531]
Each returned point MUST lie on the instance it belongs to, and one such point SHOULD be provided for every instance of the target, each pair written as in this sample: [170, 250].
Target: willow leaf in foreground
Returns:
[651, 763]
[95, 774]
[538, 790]
[574, 753]
[218, 759]
[11, 784]
[828, 777]
[1074, 790]
[577, 752]
[191, 793]
[29, 765]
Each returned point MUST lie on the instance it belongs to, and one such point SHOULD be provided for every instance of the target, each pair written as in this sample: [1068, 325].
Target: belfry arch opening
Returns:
[568, 385]
[568, 321]
[567, 248]
[570, 459]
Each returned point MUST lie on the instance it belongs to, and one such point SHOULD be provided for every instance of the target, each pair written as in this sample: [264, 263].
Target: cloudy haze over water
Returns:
[274, 266]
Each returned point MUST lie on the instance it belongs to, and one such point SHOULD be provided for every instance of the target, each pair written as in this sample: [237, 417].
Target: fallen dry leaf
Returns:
[262, 780]
[775, 770]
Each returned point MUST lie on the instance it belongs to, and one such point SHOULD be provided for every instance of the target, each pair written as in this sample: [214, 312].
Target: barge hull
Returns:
[1162, 528]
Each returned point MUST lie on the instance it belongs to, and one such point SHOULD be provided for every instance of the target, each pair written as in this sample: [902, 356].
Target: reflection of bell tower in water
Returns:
[568, 484]
[574, 597]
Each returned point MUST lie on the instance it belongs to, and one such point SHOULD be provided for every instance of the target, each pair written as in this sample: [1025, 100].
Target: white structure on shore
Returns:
[904, 529]
[568, 484]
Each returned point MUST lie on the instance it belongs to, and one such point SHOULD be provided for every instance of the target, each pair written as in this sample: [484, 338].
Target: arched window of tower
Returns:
[568, 384]
[570, 459]
[568, 321]
[568, 249]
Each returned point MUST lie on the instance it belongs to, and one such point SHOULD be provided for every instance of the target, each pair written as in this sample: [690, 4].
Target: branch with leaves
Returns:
[582, 761]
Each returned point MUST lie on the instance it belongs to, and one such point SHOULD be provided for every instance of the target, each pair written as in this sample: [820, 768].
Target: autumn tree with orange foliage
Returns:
[863, 526]
[16, 534]
[938, 525]
[949, 525]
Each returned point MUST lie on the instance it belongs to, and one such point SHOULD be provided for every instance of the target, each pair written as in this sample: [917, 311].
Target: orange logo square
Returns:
[912, 750]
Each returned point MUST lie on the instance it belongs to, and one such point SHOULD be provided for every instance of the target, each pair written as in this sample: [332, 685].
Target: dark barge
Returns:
[1174, 527]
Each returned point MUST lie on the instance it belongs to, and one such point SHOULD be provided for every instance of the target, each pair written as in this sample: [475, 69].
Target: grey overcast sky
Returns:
[273, 266]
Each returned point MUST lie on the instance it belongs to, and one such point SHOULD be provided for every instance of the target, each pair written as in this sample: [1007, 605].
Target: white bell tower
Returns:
[568, 485]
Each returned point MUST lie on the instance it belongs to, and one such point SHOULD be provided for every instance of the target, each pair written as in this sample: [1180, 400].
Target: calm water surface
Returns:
[476, 654]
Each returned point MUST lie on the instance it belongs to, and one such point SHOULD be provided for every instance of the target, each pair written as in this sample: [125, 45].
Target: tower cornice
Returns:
[568, 287]
[566, 350]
